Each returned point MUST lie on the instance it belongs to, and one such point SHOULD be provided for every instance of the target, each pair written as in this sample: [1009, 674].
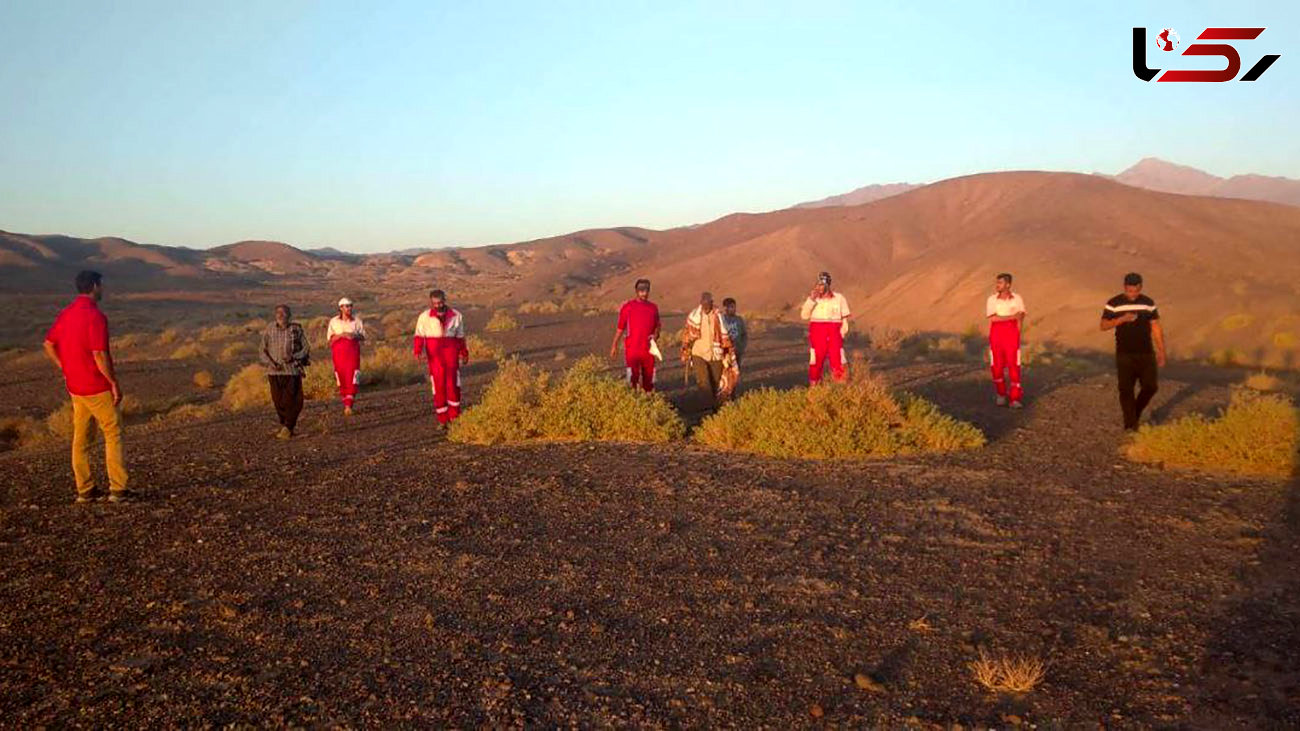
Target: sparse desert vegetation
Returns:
[1007, 673]
[857, 419]
[501, 321]
[204, 379]
[1255, 435]
[583, 404]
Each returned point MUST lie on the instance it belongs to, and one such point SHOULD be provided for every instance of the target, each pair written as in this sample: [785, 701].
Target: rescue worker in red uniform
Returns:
[346, 331]
[827, 313]
[638, 319]
[440, 339]
[1005, 311]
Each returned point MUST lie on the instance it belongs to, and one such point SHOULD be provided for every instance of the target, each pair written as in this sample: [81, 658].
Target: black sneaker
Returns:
[90, 496]
[122, 496]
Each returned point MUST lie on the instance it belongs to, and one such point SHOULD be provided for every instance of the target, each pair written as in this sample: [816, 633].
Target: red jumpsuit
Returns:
[440, 337]
[826, 316]
[1004, 344]
[347, 368]
[640, 320]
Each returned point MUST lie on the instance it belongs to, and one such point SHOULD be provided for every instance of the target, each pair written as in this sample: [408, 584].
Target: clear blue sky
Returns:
[373, 126]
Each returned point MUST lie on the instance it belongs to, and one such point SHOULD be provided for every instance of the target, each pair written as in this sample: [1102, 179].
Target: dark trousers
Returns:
[1135, 368]
[708, 374]
[286, 394]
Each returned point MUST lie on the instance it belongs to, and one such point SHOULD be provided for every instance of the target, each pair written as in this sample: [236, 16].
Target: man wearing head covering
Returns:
[1005, 311]
[638, 318]
[346, 331]
[286, 355]
[1139, 346]
[827, 313]
[706, 346]
[440, 339]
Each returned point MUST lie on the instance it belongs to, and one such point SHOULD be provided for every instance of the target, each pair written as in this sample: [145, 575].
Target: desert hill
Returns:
[858, 196]
[1226, 271]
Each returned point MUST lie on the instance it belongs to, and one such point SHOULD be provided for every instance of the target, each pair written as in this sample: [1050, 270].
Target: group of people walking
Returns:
[712, 347]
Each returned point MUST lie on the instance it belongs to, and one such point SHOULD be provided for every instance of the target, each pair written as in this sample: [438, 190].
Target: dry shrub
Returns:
[1255, 435]
[1226, 357]
[319, 382]
[584, 404]
[188, 413]
[1263, 382]
[886, 339]
[204, 379]
[860, 418]
[169, 336]
[541, 307]
[219, 332]
[1236, 321]
[1285, 340]
[398, 321]
[391, 366]
[247, 388]
[483, 349]
[188, 351]
[1007, 673]
[501, 321]
[21, 431]
[236, 351]
[130, 341]
[561, 355]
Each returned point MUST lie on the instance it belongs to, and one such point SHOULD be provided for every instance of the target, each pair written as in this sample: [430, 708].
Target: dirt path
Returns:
[371, 573]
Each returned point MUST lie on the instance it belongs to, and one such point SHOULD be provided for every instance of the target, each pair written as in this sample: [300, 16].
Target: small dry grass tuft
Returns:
[501, 321]
[542, 307]
[887, 339]
[920, 624]
[247, 388]
[1007, 673]
[1257, 434]
[561, 355]
[204, 379]
[1263, 382]
[169, 336]
[484, 349]
[235, 351]
[21, 431]
[219, 332]
[188, 413]
[188, 351]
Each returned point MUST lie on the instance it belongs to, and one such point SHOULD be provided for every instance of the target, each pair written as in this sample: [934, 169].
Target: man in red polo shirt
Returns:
[77, 344]
[638, 318]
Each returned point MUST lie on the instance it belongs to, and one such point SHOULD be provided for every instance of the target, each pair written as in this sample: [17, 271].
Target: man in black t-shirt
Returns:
[1139, 346]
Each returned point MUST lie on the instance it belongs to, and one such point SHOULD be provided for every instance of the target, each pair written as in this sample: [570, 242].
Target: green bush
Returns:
[584, 404]
[1255, 435]
[860, 418]
[501, 321]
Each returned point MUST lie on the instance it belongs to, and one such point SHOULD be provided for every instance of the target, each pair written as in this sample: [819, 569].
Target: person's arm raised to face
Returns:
[1114, 322]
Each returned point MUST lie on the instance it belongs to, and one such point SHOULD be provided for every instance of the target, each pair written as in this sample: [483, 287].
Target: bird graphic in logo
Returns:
[1167, 39]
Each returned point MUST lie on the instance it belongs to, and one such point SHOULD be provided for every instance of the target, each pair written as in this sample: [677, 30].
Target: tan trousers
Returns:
[101, 408]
